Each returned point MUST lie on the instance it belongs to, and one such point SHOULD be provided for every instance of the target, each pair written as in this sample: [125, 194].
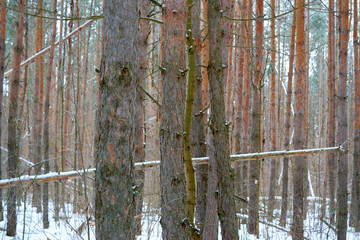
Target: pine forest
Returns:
[179, 119]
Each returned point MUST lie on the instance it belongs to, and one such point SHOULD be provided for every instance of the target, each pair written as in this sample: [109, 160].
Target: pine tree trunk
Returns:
[254, 178]
[342, 195]
[38, 109]
[285, 179]
[299, 121]
[46, 140]
[197, 137]
[2, 69]
[12, 121]
[174, 221]
[219, 129]
[139, 121]
[273, 116]
[356, 175]
[114, 142]
[330, 135]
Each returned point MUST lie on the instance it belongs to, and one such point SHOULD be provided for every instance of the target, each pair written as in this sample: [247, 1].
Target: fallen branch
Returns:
[253, 156]
[53, 176]
[33, 57]
[49, 177]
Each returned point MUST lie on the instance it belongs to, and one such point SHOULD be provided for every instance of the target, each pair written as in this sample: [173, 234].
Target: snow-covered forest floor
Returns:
[74, 226]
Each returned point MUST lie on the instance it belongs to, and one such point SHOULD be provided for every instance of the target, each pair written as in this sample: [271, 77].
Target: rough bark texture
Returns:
[342, 193]
[2, 69]
[190, 175]
[174, 217]
[254, 178]
[246, 96]
[37, 110]
[356, 173]
[285, 179]
[197, 137]
[299, 121]
[240, 40]
[219, 132]
[46, 140]
[227, 7]
[12, 120]
[330, 135]
[114, 142]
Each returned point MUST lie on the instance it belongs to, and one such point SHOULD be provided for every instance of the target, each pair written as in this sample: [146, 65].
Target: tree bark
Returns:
[330, 135]
[219, 129]
[2, 70]
[342, 194]
[356, 175]
[190, 175]
[299, 121]
[174, 220]
[114, 142]
[285, 179]
[38, 103]
[273, 116]
[12, 120]
[254, 178]
[197, 136]
[46, 140]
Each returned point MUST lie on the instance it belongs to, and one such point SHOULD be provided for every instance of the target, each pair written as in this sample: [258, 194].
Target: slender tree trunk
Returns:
[240, 41]
[342, 195]
[190, 175]
[38, 101]
[246, 95]
[227, 7]
[173, 83]
[2, 69]
[356, 175]
[254, 178]
[139, 125]
[299, 121]
[330, 136]
[197, 137]
[58, 119]
[12, 120]
[273, 117]
[285, 179]
[219, 132]
[46, 140]
[115, 205]
[210, 228]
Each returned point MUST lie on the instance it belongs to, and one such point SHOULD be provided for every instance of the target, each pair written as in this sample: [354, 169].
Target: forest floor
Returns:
[74, 226]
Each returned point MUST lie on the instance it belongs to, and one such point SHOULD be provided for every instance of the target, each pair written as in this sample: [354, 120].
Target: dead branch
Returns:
[52, 176]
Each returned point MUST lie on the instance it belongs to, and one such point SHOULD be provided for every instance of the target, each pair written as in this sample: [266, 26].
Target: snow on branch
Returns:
[49, 177]
[53, 176]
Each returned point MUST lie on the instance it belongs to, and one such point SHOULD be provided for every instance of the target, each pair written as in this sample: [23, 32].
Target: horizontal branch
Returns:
[48, 177]
[33, 57]
[252, 156]
[53, 176]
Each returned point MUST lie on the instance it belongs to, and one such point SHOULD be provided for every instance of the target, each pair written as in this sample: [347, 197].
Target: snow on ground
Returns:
[73, 226]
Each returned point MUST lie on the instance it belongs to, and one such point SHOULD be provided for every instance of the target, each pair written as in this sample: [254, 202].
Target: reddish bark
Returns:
[299, 120]
[12, 120]
[2, 69]
[330, 136]
[342, 119]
